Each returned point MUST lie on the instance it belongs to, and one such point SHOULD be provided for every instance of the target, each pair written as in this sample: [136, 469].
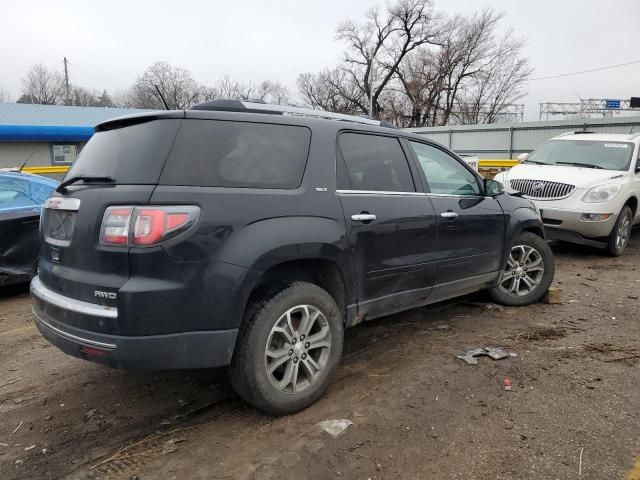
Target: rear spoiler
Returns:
[137, 118]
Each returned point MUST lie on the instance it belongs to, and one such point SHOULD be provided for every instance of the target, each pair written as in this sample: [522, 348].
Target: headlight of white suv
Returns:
[602, 193]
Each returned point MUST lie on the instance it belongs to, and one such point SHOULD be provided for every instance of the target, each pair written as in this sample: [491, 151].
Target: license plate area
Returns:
[58, 227]
[59, 220]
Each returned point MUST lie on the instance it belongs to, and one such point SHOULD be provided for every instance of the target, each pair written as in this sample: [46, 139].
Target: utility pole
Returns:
[66, 81]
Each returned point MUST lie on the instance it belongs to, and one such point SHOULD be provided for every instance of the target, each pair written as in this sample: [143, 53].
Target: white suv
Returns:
[586, 186]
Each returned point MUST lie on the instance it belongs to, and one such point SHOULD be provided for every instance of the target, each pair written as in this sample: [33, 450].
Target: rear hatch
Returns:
[73, 262]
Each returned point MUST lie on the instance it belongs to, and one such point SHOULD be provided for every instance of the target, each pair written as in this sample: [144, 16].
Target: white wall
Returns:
[13, 154]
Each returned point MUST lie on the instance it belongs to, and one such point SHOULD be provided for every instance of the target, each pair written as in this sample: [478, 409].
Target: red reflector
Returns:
[93, 351]
[176, 220]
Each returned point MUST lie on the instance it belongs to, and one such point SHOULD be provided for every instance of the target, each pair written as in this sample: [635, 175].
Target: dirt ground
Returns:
[418, 412]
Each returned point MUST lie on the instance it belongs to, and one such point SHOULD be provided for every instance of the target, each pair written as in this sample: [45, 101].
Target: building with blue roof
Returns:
[52, 135]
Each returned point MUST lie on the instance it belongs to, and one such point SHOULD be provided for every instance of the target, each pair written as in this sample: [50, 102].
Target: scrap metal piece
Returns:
[495, 353]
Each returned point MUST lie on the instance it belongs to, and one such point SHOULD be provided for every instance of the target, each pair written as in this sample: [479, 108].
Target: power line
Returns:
[585, 71]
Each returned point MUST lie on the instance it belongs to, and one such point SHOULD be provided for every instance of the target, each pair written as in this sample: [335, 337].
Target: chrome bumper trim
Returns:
[69, 336]
[49, 296]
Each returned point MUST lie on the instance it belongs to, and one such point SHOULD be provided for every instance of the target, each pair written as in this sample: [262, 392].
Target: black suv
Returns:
[239, 234]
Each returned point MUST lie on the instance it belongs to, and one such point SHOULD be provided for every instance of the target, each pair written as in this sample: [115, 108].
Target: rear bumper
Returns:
[202, 349]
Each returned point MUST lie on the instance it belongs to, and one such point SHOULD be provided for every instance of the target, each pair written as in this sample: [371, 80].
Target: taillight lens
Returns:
[115, 226]
[146, 226]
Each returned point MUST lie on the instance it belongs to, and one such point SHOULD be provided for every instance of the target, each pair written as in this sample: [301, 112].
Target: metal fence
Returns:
[506, 141]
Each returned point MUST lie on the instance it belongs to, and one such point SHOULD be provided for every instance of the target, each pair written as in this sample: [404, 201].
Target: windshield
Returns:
[19, 194]
[608, 155]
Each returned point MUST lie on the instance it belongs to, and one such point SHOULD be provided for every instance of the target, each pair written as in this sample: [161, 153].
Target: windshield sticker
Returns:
[615, 145]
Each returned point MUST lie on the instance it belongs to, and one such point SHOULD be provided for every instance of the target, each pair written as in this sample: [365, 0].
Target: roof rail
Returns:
[268, 108]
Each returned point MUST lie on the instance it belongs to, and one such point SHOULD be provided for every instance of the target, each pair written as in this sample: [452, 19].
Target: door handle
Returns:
[449, 214]
[363, 217]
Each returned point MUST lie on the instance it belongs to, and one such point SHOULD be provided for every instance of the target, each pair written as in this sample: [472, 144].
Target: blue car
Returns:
[21, 197]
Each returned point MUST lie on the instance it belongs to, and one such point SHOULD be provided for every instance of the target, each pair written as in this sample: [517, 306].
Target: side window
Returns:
[375, 163]
[215, 153]
[445, 175]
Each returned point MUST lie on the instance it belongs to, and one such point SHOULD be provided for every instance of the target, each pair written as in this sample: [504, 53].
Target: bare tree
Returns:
[376, 48]
[332, 90]
[104, 100]
[496, 86]
[414, 67]
[83, 97]
[43, 86]
[267, 91]
[5, 96]
[177, 85]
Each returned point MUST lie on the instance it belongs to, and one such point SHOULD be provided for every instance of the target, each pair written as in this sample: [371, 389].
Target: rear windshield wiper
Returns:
[83, 178]
[586, 165]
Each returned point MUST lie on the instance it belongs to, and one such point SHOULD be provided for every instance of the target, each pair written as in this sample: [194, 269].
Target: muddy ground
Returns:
[417, 411]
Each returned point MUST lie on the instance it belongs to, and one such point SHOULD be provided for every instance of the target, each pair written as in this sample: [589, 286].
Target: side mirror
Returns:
[522, 157]
[492, 188]
[638, 166]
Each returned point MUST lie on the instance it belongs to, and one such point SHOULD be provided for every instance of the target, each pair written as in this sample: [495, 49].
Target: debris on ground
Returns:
[17, 428]
[553, 296]
[442, 326]
[170, 445]
[507, 384]
[495, 353]
[487, 307]
[335, 427]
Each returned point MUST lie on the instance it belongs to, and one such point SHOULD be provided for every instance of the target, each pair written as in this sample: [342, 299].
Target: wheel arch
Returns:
[323, 272]
[632, 202]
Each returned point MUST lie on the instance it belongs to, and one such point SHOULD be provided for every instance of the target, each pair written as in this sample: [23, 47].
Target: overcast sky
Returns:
[109, 43]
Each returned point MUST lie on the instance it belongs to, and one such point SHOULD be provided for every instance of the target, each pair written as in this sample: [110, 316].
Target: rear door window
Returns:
[132, 154]
[375, 163]
[216, 153]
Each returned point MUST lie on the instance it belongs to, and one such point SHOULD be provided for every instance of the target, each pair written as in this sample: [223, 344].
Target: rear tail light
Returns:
[145, 226]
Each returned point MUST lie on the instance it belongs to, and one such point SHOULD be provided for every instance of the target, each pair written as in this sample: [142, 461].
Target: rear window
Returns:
[215, 153]
[134, 154]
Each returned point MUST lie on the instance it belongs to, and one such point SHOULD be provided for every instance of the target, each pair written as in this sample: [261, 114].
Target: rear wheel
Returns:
[288, 348]
[619, 236]
[528, 274]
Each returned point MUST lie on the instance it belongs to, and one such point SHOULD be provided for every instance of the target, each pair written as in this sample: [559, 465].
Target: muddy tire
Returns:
[287, 349]
[619, 236]
[529, 272]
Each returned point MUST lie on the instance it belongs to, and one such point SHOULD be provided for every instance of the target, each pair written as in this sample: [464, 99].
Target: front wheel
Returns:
[528, 274]
[288, 347]
[619, 236]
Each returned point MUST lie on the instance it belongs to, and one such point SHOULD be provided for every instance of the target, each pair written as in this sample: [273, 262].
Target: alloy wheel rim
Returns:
[297, 349]
[623, 233]
[524, 272]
